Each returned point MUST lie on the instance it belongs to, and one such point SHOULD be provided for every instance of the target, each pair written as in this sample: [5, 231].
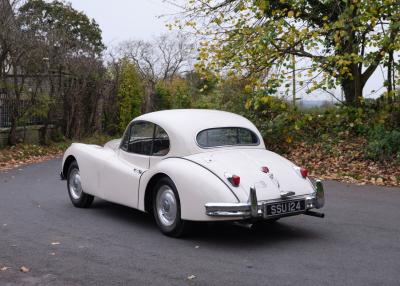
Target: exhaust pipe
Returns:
[316, 214]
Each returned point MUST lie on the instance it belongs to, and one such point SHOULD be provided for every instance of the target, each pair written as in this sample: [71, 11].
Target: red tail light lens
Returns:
[304, 172]
[265, 169]
[235, 180]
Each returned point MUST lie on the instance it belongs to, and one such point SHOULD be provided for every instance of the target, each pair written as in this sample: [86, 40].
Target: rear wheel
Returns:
[167, 208]
[78, 197]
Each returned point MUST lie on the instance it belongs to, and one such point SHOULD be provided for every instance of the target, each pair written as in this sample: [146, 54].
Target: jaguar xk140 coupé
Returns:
[191, 165]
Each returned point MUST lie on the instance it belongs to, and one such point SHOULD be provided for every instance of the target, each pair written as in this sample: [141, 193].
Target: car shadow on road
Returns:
[123, 214]
[223, 234]
[227, 235]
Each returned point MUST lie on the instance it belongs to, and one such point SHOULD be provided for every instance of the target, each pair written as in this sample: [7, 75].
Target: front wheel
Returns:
[78, 198]
[167, 208]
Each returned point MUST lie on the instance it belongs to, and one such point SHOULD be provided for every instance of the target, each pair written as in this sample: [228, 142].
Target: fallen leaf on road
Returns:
[191, 277]
[55, 243]
[197, 246]
[53, 253]
[4, 268]
[24, 269]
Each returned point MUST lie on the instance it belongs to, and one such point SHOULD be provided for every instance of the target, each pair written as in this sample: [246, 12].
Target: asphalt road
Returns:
[358, 243]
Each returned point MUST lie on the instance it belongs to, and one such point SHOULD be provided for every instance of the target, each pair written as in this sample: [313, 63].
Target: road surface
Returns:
[358, 243]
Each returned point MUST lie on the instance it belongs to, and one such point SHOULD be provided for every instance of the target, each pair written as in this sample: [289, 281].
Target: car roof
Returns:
[182, 126]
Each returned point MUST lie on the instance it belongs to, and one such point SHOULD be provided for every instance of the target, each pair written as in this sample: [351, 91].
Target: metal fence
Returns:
[6, 106]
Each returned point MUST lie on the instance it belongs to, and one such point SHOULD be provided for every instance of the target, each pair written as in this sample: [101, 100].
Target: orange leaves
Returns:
[344, 161]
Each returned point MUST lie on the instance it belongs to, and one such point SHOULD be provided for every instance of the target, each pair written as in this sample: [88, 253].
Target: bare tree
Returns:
[111, 87]
[19, 54]
[158, 60]
[41, 44]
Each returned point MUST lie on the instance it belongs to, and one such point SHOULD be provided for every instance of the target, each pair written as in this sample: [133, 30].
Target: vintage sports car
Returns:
[191, 165]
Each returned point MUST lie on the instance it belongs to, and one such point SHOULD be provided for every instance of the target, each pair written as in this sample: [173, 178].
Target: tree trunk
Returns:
[12, 138]
[389, 77]
[44, 130]
[352, 92]
[15, 106]
[149, 104]
[353, 87]
[44, 139]
[98, 114]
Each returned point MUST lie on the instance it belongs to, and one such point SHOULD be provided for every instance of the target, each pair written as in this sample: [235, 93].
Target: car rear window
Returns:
[226, 136]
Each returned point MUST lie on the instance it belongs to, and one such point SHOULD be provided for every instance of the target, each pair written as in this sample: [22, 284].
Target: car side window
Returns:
[145, 138]
[161, 142]
[125, 139]
[141, 138]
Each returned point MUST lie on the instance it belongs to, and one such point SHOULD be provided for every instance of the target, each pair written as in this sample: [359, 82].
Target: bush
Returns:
[383, 145]
[283, 126]
[56, 135]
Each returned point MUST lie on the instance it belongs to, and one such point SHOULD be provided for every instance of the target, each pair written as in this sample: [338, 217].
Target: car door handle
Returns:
[137, 171]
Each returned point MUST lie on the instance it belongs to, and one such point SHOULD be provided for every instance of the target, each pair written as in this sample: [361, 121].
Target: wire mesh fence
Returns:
[7, 106]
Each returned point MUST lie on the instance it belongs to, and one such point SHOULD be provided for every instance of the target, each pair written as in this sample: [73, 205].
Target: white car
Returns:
[191, 165]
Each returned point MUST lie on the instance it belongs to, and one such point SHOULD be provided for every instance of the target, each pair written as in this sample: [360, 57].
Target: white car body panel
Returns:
[199, 173]
[246, 163]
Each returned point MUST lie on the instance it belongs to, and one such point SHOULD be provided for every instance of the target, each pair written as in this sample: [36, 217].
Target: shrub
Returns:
[383, 144]
[283, 126]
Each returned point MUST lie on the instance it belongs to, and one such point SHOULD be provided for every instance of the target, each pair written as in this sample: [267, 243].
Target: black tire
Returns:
[176, 227]
[82, 200]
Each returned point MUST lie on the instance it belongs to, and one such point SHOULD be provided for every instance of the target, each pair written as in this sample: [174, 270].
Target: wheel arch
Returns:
[148, 196]
[195, 185]
[68, 161]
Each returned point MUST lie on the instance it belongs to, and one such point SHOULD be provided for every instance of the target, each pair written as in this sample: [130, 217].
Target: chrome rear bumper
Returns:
[256, 209]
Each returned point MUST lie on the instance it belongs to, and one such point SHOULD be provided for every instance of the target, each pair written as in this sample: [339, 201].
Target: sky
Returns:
[127, 19]
[140, 19]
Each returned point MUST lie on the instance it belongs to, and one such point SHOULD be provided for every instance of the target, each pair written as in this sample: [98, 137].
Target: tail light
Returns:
[233, 179]
[304, 172]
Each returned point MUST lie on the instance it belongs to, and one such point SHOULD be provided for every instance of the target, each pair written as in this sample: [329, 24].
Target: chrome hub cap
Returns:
[75, 187]
[166, 205]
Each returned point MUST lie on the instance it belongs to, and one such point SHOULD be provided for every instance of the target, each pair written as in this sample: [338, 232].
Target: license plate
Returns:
[282, 208]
